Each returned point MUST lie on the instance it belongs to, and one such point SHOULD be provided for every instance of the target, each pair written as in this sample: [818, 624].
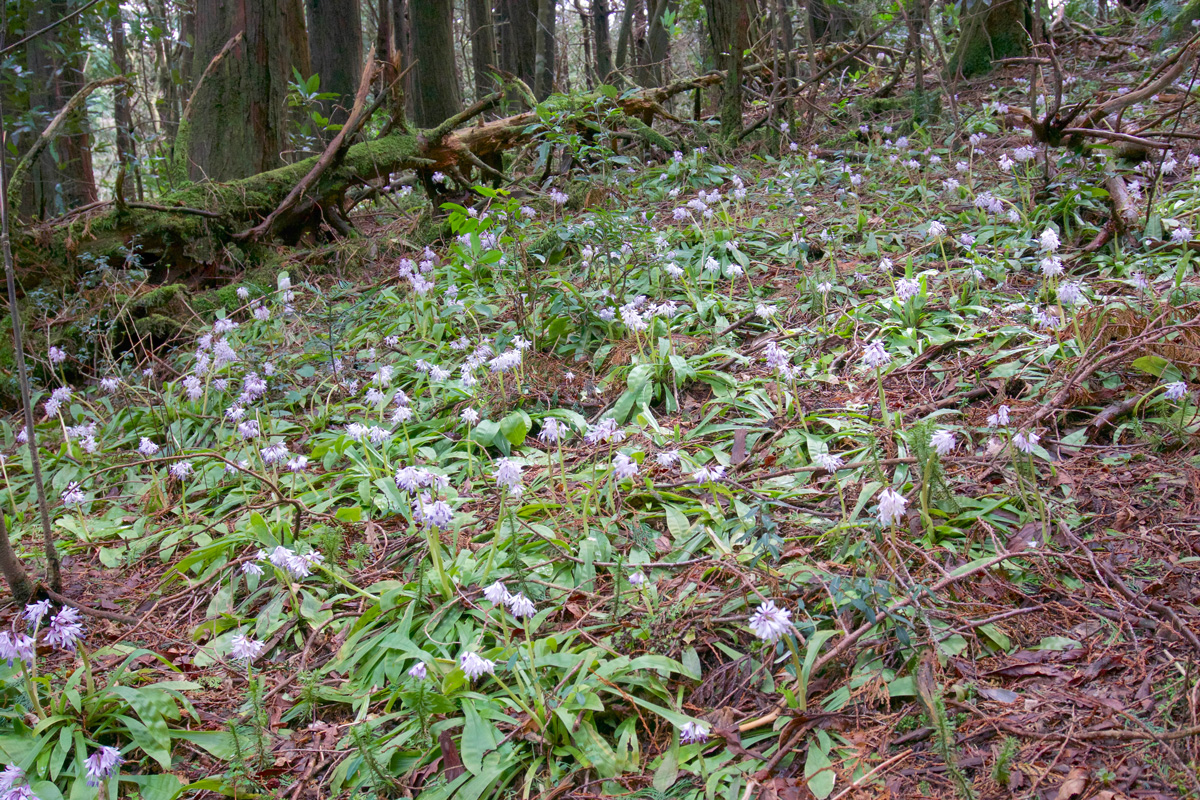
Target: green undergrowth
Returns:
[532, 504]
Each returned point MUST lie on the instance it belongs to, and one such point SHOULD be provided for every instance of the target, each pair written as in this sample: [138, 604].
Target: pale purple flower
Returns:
[65, 629]
[73, 495]
[16, 647]
[508, 473]
[439, 514]
[875, 355]
[942, 441]
[829, 462]
[34, 612]
[667, 458]
[100, 765]
[520, 606]
[242, 647]
[250, 568]
[147, 447]
[1176, 390]
[708, 474]
[693, 733]
[10, 777]
[1071, 293]
[907, 288]
[624, 467]
[496, 593]
[637, 579]
[419, 671]
[474, 665]
[769, 622]
[470, 416]
[275, 453]
[999, 419]
[891, 506]
[1025, 442]
[181, 469]
[553, 430]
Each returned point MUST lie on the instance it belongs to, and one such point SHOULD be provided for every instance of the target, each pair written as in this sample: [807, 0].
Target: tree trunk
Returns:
[625, 34]
[437, 96]
[543, 70]
[12, 568]
[483, 46]
[335, 45]
[63, 176]
[167, 103]
[516, 23]
[604, 63]
[831, 21]
[728, 25]
[658, 40]
[402, 42]
[990, 32]
[238, 122]
[122, 115]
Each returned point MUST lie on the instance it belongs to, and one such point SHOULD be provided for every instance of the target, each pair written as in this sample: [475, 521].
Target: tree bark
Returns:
[12, 568]
[402, 42]
[335, 46]
[543, 70]
[122, 115]
[516, 23]
[483, 46]
[436, 96]
[604, 62]
[625, 34]
[658, 41]
[238, 121]
[990, 32]
[728, 25]
[63, 177]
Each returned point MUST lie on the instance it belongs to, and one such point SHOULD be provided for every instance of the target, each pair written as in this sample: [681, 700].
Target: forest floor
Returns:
[993, 592]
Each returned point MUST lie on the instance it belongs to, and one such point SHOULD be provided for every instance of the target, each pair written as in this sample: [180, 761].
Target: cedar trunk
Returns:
[604, 63]
[728, 25]
[516, 24]
[62, 178]
[335, 45]
[122, 115]
[436, 97]
[238, 122]
[990, 32]
[544, 41]
[483, 46]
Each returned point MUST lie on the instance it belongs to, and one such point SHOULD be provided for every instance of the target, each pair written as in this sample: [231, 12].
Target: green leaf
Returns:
[668, 771]
[349, 514]
[478, 738]
[810, 658]
[818, 771]
[515, 427]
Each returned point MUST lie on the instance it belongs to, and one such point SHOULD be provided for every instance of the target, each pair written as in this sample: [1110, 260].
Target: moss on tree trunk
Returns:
[990, 32]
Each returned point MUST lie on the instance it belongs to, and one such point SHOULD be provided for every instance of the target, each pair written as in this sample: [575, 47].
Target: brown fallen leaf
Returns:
[1073, 786]
[452, 765]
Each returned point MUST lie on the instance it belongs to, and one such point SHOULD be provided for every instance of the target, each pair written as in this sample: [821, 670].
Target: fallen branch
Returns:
[333, 154]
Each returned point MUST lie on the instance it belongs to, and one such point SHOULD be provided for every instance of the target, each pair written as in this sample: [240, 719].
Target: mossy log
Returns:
[185, 234]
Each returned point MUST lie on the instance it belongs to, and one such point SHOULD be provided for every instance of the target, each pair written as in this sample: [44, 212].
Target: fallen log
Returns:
[189, 228]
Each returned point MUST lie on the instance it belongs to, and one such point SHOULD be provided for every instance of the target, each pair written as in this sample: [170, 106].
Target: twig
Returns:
[91, 612]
